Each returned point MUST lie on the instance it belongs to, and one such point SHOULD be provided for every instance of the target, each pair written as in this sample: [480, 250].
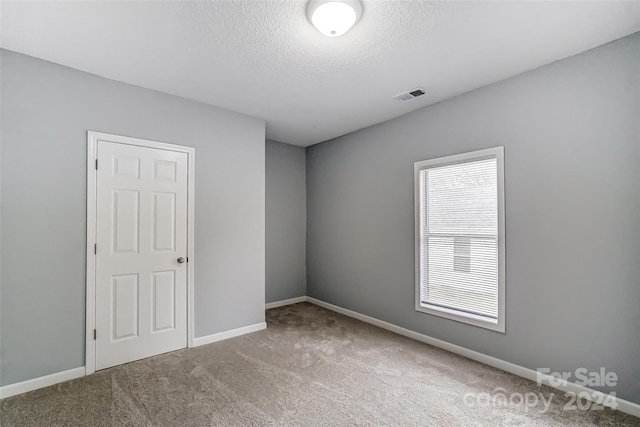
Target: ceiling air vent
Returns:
[413, 93]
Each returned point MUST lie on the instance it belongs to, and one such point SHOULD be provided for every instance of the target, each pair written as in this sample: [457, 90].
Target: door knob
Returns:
[180, 260]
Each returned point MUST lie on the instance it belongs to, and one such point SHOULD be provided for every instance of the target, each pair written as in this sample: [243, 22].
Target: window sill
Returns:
[468, 318]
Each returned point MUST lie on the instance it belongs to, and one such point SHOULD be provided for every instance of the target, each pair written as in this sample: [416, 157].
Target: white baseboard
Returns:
[596, 396]
[40, 382]
[625, 406]
[208, 339]
[71, 374]
[284, 302]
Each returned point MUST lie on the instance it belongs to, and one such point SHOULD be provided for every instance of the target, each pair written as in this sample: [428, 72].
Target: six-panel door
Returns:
[141, 287]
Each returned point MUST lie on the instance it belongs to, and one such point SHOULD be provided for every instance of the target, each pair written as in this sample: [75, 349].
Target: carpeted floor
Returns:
[310, 367]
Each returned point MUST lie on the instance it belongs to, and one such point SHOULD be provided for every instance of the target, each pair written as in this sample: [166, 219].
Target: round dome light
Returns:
[334, 18]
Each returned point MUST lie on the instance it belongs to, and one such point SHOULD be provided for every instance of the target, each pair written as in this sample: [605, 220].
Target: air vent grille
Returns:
[413, 93]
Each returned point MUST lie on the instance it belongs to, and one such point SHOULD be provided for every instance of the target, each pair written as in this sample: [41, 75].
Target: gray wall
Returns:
[46, 112]
[286, 222]
[572, 175]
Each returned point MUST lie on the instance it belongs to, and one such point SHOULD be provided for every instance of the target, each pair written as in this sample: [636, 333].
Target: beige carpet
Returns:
[311, 367]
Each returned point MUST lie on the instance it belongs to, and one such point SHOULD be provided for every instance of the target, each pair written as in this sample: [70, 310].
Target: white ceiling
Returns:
[263, 58]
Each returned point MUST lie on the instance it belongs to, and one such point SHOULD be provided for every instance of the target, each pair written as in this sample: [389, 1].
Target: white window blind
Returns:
[458, 228]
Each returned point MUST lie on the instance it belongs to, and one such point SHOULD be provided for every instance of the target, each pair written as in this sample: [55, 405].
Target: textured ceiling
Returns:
[263, 58]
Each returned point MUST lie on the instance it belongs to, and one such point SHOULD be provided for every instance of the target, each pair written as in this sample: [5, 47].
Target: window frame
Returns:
[468, 318]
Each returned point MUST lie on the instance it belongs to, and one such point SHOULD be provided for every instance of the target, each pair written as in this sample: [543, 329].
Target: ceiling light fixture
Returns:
[334, 18]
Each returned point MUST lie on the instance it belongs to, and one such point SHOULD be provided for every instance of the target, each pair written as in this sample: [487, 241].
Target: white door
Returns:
[141, 270]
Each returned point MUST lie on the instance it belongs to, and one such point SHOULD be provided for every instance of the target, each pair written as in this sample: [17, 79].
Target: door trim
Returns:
[92, 153]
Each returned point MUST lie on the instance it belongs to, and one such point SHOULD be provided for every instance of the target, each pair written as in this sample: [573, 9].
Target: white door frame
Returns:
[92, 153]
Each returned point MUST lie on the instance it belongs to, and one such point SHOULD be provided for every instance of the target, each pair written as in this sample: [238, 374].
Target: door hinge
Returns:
[187, 259]
[95, 334]
[96, 164]
[95, 249]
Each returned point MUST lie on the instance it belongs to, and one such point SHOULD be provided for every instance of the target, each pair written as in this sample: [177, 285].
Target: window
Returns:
[460, 237]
